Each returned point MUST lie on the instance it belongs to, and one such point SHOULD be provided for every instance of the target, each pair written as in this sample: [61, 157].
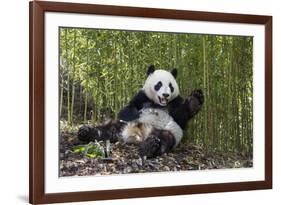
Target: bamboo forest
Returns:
[101, 70]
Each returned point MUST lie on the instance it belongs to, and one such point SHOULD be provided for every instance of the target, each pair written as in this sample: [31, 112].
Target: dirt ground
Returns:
[124, 159]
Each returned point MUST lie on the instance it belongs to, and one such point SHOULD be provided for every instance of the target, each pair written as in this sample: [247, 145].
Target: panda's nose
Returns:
[165, 95]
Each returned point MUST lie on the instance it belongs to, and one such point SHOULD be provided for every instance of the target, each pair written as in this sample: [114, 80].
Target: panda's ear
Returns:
[174, 72]
[150, 70]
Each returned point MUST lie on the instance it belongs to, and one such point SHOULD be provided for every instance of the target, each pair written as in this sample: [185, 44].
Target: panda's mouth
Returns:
[163, 101]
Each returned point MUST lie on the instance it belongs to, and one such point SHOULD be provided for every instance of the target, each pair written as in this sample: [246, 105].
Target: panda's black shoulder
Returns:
[131, 110]
[175, 102]
[139, 100]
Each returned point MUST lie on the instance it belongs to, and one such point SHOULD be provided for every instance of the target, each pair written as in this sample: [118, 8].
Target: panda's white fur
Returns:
[166, 78]
[161, 120]
[133, 133]
[151, 118]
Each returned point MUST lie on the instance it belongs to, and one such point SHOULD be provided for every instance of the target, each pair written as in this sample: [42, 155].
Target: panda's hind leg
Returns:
[158, 143]
[110, 130]
[86, 133]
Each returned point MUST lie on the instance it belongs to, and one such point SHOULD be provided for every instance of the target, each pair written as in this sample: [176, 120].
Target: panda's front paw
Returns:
[151, 147]
[194, 102]
[198, 94]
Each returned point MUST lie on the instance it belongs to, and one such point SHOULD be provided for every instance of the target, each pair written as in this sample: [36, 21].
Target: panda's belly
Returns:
[161, 119]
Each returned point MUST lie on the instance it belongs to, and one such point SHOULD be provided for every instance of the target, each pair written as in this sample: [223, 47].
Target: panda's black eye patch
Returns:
[158, 86]
[171, 87]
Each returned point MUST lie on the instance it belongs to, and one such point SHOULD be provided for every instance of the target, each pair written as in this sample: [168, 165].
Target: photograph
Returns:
[129, 102]
[136, 102]
[140, 102]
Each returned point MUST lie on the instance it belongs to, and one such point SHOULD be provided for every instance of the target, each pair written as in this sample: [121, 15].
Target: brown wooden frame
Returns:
[36, 100]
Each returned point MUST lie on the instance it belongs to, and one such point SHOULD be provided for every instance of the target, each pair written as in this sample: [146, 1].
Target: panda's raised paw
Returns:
[198, 94]
[194, 102]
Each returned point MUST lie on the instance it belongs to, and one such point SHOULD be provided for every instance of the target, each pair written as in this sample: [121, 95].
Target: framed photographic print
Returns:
[138, 102]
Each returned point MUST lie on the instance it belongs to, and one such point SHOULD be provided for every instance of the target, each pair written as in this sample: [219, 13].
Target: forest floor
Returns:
[124, 159]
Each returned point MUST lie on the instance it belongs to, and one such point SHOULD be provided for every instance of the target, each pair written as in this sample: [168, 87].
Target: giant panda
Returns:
[154, 119]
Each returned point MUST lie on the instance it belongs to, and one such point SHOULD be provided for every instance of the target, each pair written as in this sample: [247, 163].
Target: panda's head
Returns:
[161, 86]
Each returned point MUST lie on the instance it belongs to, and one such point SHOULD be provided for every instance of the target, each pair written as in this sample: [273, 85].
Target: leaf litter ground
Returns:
[124, 159]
